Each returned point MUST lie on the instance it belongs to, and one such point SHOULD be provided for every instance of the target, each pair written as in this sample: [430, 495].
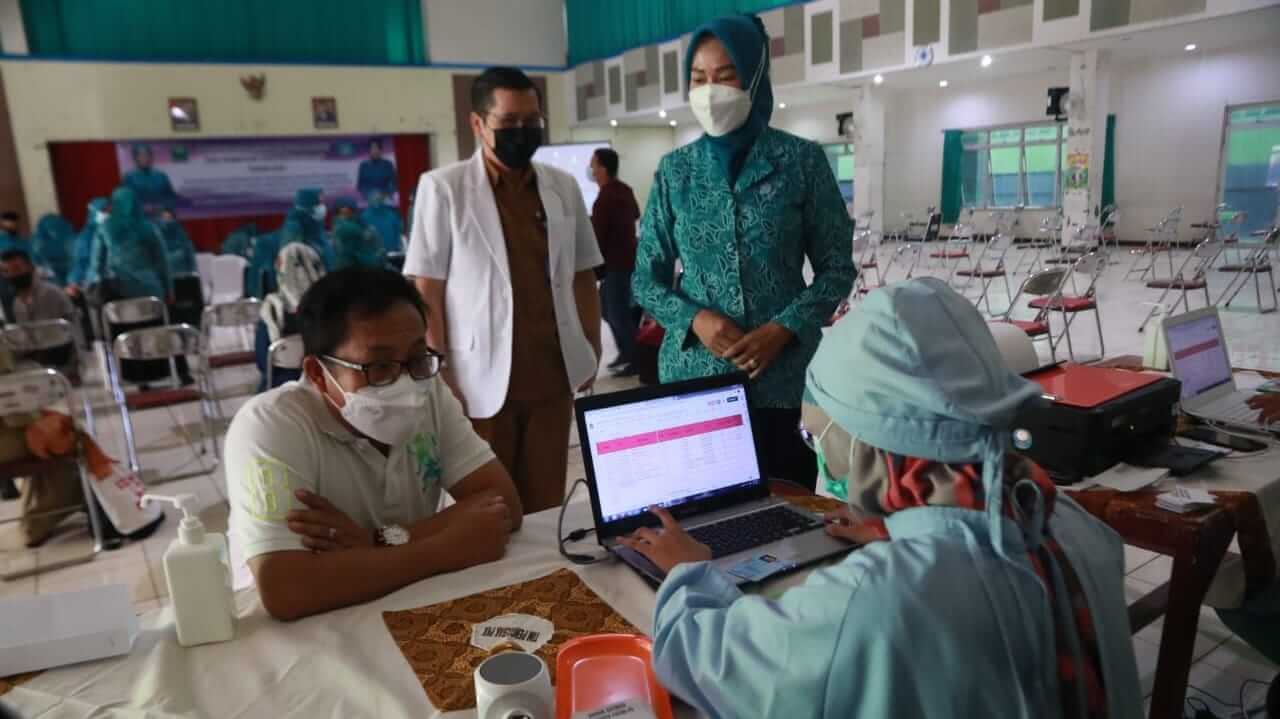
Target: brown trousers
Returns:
[531, 439]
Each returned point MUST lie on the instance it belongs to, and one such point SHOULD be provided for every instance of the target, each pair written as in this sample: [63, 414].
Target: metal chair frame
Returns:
[1091, 266]
[154, 343]
[1253, 263]
[998, 248]
[290, 345]
[1045, 283]
[50, 335]
[1192, 275]
[1160, 240]
[28, 392]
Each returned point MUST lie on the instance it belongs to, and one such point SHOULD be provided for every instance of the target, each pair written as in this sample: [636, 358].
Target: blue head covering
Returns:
[747, 42]
[346, 202]
[915, 371]
[307, 198]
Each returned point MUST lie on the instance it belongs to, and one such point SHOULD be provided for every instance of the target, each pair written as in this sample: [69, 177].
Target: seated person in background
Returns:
[297, 268]
[177, 245]
[385, 220]
[36, 300]
[334, 480]
[980, 591]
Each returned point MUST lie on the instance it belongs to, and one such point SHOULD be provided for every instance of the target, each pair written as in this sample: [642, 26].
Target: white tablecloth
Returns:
[342, 664]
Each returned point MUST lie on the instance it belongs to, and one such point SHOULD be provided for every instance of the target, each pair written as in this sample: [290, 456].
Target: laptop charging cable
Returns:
[576, 535]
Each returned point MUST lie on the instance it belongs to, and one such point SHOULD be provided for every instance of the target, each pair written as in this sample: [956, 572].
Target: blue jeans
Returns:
[615, 304]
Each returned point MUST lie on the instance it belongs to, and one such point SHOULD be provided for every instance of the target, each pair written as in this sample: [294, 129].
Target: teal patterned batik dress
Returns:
[742, 252]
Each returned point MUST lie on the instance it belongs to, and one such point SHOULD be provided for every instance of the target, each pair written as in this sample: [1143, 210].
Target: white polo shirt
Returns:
[286, 439]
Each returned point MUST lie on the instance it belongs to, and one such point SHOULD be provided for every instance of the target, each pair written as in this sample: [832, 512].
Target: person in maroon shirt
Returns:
[614, 217]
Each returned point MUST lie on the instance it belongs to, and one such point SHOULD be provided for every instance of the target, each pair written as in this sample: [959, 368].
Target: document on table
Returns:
[1127, 478]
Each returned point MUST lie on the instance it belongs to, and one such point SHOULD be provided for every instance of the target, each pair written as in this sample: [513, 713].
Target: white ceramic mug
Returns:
[514, 685]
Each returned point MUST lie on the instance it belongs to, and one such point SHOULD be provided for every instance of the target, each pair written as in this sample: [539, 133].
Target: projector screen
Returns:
[573, 158]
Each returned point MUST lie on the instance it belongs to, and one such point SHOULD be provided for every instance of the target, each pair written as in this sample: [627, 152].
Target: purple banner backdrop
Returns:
[220, 178]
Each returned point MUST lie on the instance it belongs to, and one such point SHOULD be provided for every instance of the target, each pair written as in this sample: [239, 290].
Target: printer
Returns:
[1095, 417]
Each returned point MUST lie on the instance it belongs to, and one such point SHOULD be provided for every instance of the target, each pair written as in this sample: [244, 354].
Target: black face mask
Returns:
[21, 282]
[515, 146]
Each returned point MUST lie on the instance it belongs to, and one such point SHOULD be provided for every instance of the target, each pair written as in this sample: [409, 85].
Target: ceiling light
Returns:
[986, 61]
[672, 123]
[1191, 46]
[613, 123]
[878, 79]
[782, 106]
[943, 83]
[662, 114]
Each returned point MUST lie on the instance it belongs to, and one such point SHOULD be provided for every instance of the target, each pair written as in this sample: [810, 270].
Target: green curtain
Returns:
[1109, 164]
[952, 174]
[599, 29]
[372, 32]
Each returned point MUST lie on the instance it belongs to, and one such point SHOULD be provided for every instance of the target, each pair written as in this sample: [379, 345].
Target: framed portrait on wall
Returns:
[324, 113]
[184, 114]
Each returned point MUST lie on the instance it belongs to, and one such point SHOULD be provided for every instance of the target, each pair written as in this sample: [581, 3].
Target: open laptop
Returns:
[1199, 359]
[689, 447]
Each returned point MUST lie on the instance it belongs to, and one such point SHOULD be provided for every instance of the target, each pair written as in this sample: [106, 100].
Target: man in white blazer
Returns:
[503, 253]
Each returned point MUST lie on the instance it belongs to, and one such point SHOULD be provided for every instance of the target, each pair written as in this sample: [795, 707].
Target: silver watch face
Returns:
[394, 535]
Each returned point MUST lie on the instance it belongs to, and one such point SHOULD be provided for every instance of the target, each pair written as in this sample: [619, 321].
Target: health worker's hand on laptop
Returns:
[1268, 404]
[669, 547]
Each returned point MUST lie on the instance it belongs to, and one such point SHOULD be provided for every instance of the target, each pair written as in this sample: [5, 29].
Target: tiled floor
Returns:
[1223, 663]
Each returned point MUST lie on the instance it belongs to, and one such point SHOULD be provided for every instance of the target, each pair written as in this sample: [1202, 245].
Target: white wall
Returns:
[1169, 117]
[915, 119]
[13, 35]
[496, 32]
[52, 101]
[815, 122]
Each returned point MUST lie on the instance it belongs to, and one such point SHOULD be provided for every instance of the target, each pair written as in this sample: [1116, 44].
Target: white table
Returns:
[342, 664]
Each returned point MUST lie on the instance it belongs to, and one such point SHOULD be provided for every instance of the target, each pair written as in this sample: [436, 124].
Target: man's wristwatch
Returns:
[391, 535]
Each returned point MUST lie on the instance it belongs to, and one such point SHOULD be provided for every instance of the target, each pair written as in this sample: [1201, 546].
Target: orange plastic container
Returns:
[597, 671]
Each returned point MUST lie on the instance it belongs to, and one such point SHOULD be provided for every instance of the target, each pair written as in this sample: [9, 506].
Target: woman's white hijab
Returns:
[298, 266]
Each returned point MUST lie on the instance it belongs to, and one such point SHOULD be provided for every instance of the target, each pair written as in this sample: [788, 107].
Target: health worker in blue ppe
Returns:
[78, 277]
[151, 186]
[52, 244]
[354, 243]
[385, 220]
[978, 591]
[305, 224]
[177, 245]
[376, 174]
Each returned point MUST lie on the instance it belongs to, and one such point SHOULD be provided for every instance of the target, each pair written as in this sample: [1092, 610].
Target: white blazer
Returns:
[457, 237]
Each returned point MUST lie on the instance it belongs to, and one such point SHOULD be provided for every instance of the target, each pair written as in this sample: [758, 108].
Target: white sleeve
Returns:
[267, 458]
[586, 250]
[430, 239]
[462, 451]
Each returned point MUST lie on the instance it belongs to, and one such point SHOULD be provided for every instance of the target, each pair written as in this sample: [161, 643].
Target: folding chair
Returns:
[1050, 231]
[204, 268]
[1108, 240]
[907, 254]
[957, 244]
[987, 267]
[29, 392]
[864, 253]
[161, 343]
[1046, 284]
[285, 353]
[49, 342]
[1160, 239]
[1190, 276]
[1254, 263]
[228, 278]
[127, 314]
[241, 315]
[1090, 266]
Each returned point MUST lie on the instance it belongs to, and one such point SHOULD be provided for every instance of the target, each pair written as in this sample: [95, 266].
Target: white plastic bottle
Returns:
[198, 573]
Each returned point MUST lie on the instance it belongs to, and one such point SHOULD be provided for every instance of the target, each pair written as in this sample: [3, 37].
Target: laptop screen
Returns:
[670, 450]
[1197, 355]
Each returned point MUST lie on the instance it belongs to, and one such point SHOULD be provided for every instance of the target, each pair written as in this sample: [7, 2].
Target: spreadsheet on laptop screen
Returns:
[669, 450]
[1198, 355]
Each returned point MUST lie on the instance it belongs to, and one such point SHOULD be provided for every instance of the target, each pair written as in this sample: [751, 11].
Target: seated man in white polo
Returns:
[334, 480]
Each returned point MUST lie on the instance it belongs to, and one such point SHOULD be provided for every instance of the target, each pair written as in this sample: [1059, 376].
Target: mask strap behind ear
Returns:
[761, 67]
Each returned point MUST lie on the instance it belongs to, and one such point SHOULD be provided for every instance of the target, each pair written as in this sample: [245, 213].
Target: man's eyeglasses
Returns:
[386, 372]
[508, 122]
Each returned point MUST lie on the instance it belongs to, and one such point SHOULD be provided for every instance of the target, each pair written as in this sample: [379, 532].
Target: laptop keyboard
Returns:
[747, 531]
[1237, 411]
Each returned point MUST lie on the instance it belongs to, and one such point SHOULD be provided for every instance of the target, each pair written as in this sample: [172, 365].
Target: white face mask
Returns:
[100, 217]
[387, 414]
[720, 109]
[318, 212]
